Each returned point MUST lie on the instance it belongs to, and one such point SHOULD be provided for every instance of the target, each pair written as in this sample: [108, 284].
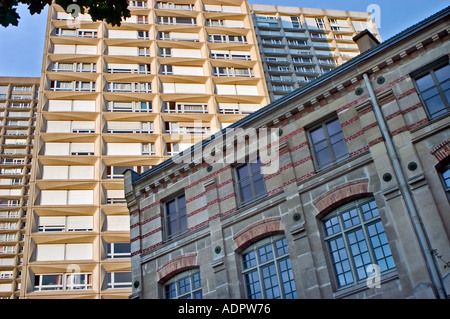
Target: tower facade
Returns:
[18, 104]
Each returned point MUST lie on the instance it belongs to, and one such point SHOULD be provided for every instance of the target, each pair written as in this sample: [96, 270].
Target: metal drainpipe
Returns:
[406, 192]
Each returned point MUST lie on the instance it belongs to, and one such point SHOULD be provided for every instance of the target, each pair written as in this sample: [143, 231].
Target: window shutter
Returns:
[50, 197]
[118, 223]
[224, 89]
[82, 147]
[124, 149]
[78, 251]
[86, 49]
[59, 105]
[246, 90]
[80, 197]
[83, 106]
[81, 172]
[55, 172]
[122, 34]
[185, 70]
[58, 127]
[186, 53]
[130, 51]
[80, 223]
[64, 49]
[46, 252]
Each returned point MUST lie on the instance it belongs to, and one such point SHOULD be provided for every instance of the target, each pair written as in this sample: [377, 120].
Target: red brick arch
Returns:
[441, 151]
[177, 265]
[257, 231]
[341, 194]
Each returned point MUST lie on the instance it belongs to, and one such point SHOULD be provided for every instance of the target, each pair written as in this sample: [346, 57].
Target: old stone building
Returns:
[358, 206]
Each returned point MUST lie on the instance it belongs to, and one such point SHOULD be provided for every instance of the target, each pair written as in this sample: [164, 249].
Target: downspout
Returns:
[406, 192]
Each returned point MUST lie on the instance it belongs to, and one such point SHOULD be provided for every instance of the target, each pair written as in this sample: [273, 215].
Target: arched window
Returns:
[186, 285]
[267, 270]
[356, 238]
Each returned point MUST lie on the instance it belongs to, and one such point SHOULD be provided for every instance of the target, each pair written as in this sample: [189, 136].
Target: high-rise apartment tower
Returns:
[18, 104]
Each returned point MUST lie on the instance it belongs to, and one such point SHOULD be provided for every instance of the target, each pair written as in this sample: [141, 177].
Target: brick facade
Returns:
[300, 197]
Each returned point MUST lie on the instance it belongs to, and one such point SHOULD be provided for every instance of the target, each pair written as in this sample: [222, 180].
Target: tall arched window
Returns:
[186, 285]
[356, 238]
[267, 270]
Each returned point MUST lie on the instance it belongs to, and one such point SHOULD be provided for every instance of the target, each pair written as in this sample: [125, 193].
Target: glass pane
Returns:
[184, 285]
[333, 127]
[260, 186]
[271, 282]
[253, 285]
[446, 177]
[249, 260]
[171, 291]
[265, 253]
[256, 167]
[242, 172]
[281, 247]
[323, 157]
[181, 202]
[196, 281]
[317, 135]
[332, 226]
[435, 106]
[425, 82]
[171, 207]
[246, 192]
[443, 73]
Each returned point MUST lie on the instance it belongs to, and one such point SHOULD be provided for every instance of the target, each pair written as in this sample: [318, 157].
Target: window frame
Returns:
[343, 232]
[259, 266]
[238, 189]
[166, 222]
[322, 124]
[176, 280]
[430, 69]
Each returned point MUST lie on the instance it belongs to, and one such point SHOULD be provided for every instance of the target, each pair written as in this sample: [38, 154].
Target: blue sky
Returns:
[21, 48]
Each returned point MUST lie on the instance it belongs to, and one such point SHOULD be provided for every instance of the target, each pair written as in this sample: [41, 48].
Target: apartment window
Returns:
[166, 69]
[174, 107]
[186, 285]
[177, 21]
[65, 223]
[355, 238]
[433, 86]
[295, 22]
[143, 51]
[118, 250]
[320, 23]
[165, 52]
[117, 280]
[267, 270]
[142, 19]
[175, 217]
[50, 282]
[327, 144]
[250, 185]
[138, 4]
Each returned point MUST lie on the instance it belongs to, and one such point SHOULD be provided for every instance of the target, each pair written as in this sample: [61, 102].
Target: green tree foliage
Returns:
[111, 11]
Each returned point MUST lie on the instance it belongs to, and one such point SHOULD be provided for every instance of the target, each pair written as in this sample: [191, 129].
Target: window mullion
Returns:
[330, 145]
[258, 269]
[251, 180]
[347, 248]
